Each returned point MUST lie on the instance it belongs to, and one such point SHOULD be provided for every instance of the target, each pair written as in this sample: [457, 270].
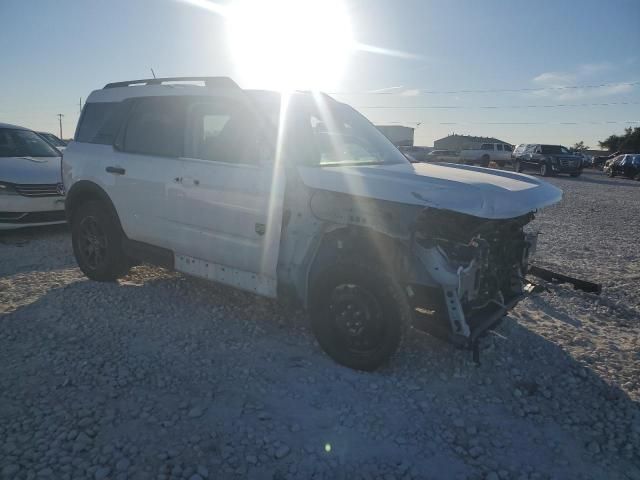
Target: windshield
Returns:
[328, 133]
[554, 149]
[24, 143]
[53, 140]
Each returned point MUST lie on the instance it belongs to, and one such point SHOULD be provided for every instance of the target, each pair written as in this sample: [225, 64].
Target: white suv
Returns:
[297, 197]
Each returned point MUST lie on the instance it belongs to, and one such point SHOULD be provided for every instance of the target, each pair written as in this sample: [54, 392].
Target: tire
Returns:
[484, 161]
[574, 175]
[96, 236]
[358, 315]
[544, 169]
[517, 166]
[610, 173]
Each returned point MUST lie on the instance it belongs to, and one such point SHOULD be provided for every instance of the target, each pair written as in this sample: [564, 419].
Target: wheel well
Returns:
[361, 243]
[85, 191]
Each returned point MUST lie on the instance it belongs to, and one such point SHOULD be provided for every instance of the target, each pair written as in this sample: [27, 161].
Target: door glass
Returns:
[224, 131]
[499, 147]
[156, 127]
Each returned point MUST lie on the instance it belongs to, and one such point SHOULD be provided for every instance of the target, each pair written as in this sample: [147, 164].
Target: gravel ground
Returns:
[165, 377]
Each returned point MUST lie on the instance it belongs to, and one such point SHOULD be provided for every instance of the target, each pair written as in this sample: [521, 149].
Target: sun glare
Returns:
[290, 44]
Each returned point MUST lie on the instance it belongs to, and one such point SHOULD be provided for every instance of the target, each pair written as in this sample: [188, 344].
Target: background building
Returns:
[399, 135]
[462, 142]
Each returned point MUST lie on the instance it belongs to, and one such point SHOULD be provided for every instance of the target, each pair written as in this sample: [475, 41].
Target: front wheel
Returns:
[484, 161]
[97, 242]
[358, 315]
[517, 166]
[610, 173]
[544, 170]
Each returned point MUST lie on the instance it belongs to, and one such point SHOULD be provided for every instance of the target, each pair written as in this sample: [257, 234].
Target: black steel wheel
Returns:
[92, 243]
[358, 315]
[97, 237]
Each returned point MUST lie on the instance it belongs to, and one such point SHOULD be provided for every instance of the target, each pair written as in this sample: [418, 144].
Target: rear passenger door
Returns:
[232, 209]
[146, 170]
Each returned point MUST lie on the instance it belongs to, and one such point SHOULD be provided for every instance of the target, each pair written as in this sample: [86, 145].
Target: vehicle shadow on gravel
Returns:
[22, 236]
[207, 358]
[604, 180]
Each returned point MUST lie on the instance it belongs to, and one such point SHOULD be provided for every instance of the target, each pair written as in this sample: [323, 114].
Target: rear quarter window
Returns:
[100, 122]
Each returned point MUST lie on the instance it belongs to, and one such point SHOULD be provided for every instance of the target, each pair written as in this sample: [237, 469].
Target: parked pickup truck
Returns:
[499, 153]
[311, 205]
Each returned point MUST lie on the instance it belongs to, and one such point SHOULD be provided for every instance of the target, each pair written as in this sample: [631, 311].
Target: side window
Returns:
[156, 127]
[499, 147]
[486, 146]
[222, 130]
[100, 122]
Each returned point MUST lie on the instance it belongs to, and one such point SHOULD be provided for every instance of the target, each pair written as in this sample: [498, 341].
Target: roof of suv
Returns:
[118, 91]
[15, 127]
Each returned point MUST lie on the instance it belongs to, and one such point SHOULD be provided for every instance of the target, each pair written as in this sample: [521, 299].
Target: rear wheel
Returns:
[484, 161]
[97, 242]
[358, 315]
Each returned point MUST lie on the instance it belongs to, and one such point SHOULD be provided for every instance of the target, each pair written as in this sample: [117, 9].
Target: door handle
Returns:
[116, 170]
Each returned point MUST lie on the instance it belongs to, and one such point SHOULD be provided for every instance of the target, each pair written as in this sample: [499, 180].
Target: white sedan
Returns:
[31, 189]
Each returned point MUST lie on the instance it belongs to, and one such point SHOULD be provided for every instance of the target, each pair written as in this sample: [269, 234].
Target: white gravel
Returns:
[166, 377]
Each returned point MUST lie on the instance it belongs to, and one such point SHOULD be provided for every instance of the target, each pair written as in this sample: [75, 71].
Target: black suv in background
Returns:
[546, 159]
[625, 165]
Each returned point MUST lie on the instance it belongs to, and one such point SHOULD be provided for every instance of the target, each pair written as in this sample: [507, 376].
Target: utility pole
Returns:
[60, 115]
[80, 104]
[153, 73]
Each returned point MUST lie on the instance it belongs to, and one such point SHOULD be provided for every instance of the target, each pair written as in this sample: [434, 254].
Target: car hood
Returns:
[481, 192]
[30, 169]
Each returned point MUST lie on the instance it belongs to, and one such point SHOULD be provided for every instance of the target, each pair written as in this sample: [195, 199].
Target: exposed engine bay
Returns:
[480, 265]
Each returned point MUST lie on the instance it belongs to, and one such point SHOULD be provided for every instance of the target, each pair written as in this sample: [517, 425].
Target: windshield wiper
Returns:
[31, 159]
[349, 164]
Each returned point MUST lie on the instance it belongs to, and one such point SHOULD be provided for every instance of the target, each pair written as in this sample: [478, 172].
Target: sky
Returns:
[490, 68]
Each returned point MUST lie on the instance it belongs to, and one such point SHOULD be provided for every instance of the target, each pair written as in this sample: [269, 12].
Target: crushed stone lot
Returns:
[161, 376]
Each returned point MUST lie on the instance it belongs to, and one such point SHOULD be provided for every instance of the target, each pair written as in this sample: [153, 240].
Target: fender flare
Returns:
[82, 191]
[361, 242]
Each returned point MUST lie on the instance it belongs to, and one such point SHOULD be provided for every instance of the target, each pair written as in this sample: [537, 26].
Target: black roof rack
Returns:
[221, 82]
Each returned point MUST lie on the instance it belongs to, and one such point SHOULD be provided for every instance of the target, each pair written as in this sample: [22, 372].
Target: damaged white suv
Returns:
[300, 198]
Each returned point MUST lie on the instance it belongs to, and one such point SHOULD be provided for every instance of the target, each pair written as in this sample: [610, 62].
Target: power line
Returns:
[493, 107]
[497, 90]
[605, 122]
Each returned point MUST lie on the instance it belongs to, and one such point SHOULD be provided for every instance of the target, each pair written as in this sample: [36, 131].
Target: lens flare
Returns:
[290, 44]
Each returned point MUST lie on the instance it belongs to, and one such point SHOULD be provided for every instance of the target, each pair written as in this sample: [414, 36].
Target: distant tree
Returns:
[629, 142]
[580, 147]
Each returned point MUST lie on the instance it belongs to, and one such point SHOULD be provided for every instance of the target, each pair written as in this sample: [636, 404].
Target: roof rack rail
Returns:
[208, 81]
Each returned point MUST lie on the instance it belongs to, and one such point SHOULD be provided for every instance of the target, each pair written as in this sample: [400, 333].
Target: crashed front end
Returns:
[469, 273]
